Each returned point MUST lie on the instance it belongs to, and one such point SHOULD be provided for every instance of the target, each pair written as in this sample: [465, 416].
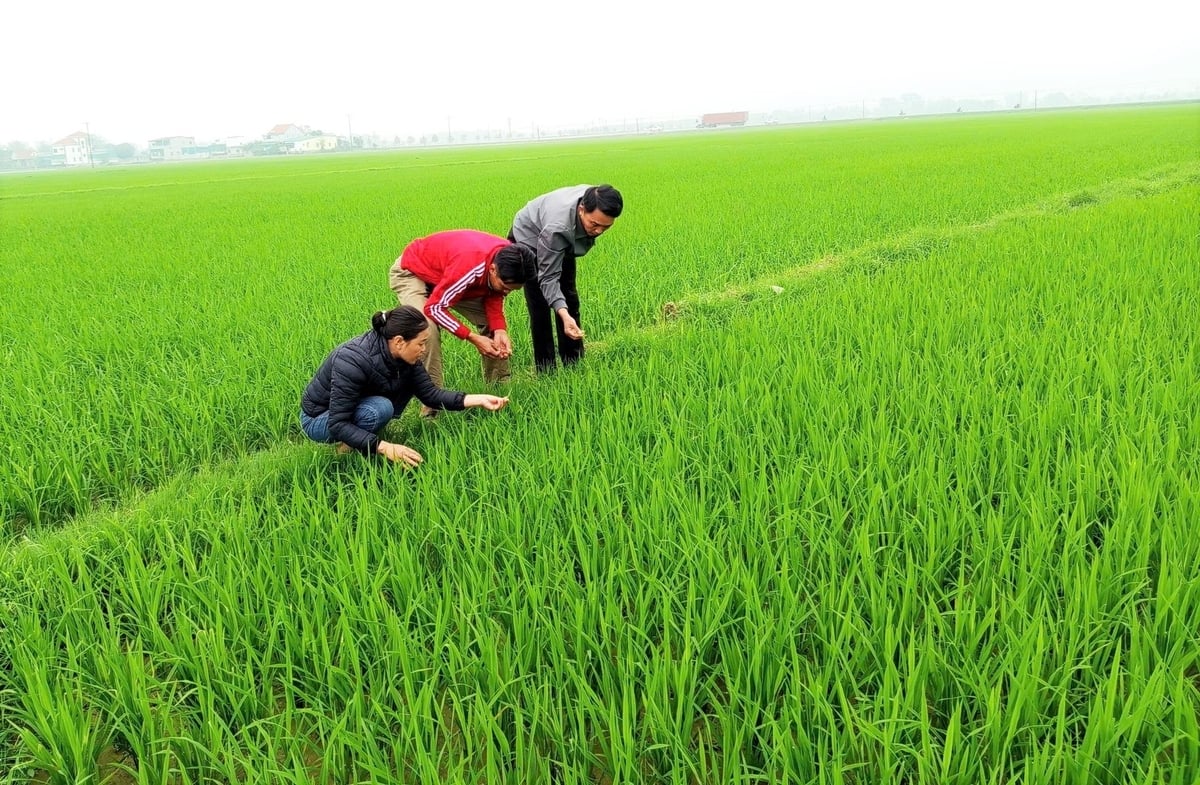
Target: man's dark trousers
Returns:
[540, 318]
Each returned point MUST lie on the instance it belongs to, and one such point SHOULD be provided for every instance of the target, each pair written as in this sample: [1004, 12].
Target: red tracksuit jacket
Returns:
[457, 263]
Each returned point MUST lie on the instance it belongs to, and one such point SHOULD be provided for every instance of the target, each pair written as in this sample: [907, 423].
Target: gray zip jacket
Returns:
[550, 224]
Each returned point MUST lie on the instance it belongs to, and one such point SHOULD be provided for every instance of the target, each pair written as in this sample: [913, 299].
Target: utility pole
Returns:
[91, 157]
[349, 131]
[449, 135]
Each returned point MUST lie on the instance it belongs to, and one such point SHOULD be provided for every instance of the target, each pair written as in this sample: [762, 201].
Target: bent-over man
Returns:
[561, 226]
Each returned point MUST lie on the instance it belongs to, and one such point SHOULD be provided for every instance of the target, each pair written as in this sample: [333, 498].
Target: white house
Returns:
[170, 148]
[74, 149]
[315, 144]
[235, 146]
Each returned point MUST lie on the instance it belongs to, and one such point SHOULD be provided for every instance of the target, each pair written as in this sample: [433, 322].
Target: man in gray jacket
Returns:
[562, 226]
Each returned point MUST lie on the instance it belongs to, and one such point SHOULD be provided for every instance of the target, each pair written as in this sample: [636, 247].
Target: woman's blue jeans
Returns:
[371, 414]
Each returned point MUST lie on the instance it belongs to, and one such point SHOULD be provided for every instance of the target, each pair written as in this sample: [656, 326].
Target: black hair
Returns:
[605, 198]
[516, 263]
[405, 321]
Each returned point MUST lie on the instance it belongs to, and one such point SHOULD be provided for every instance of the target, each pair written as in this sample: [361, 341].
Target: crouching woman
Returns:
[368, 380]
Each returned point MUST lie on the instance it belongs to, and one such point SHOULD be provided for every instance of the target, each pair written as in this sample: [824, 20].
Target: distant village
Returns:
[84, 149]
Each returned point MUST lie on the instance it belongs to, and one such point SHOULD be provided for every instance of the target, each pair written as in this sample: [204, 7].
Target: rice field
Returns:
[882, 468]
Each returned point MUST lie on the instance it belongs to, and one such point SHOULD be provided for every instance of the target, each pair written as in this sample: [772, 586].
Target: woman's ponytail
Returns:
[404, 320]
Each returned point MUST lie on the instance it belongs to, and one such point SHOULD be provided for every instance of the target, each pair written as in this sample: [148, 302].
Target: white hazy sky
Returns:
[136, 70]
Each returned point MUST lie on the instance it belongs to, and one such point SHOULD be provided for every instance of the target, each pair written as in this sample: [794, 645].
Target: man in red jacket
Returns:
[469, 272]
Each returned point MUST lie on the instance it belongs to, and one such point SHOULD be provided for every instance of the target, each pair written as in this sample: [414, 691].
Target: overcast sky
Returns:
[136, 70]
